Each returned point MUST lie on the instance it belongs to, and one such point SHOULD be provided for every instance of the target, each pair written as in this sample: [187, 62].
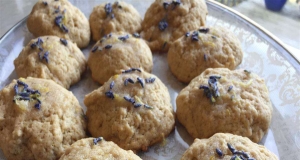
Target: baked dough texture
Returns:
[59, 18]
[117, 51]
[166, 21]
[114, 17]
[208, 47]
[206, 148]
[244, 110]
[139, 114]
[64, 63]
[86, 149]
[37, 134]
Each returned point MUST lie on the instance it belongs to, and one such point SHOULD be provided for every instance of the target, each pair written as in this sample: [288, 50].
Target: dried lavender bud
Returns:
[137, 105]
[250, 159]
[213, 37]
[123, 38]
[203, 30]
[131, 100]
[24, 94]
[176, 2]
[64, 11]
[195, 36]
[109, 35]
[166, 4]
[108, 8]
[140, 80]
[136, 35]
[112, 16]
[231, 148]
[46, 54]
[203, 87]
[64, 28]
[147, 106]
[33, 91]
[205, 57]
[136, 69]
[108, 46]
[16, 89]
[187, 34]
[96, 140]
[131, 70]
[45, 3]
[128, 80]
[162, 25]
[234, 157]
[64, 42]
[24, 98]
[37, 106]
[22, 83]
[242, 158]
[33, 45]
[110, 94]
[150, 80]
[112, 84]
[230, 88]
[39, 41]
[219, 152]
[58, 20]
[247, 71]
[215, 77]
[95, 49]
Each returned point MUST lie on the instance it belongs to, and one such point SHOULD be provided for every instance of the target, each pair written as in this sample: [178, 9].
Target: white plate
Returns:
[264, 55]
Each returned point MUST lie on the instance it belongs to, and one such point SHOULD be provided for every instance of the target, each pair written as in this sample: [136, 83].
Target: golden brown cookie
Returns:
[117, 51]
[39, 119]
[50, 57]
[97, 148]
[166, 20]
[59, 18]
[227, 146]
[207, 47]
[132, 109]
[114, 17]
[221, 100]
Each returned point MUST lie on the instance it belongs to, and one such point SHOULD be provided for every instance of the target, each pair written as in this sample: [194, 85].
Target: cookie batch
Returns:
[226, 111]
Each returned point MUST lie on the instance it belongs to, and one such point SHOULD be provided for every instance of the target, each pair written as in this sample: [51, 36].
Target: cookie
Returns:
[97, 148]
[114, 17]
[227, 146]
[50, 57]
[131, 109]
[118, 51]
[221, 100]
[207, 47]
[166, 21]
[39, 119]
[59, 18]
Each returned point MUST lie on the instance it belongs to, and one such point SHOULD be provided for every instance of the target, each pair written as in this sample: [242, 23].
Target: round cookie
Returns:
[39, 119]
[212, 47]
[166, 20]
[114, 17]
[229, 146]
[132, 109]
[97, 148]
[118, 51]
[59, 18]
[50, 57]
[234, 102]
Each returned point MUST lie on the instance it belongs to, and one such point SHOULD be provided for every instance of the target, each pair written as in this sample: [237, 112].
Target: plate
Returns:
[264, 54]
